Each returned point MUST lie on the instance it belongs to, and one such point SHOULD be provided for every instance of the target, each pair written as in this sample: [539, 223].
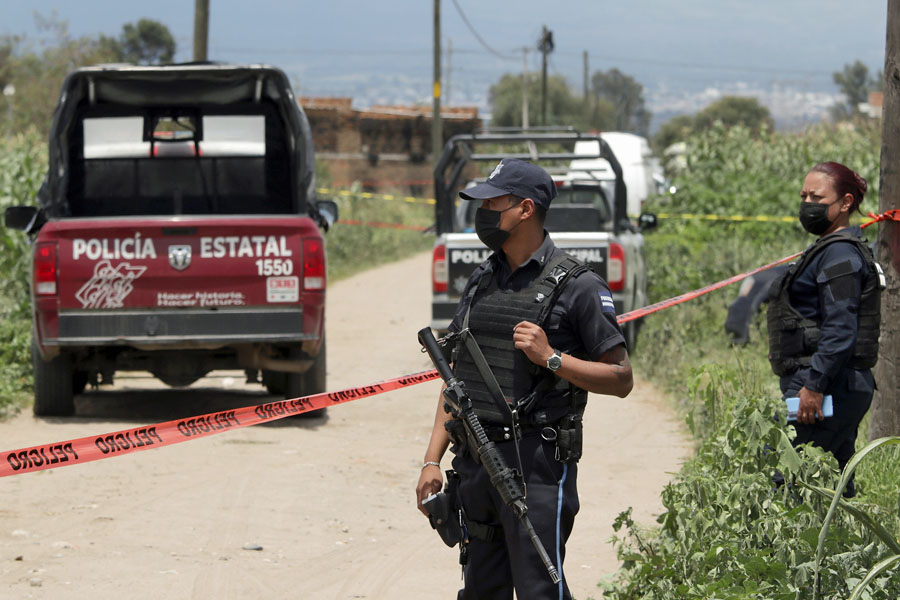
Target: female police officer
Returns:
[824, 315]
[577, 348]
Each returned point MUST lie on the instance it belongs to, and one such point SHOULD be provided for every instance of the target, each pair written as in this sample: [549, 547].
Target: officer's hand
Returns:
[810, 407]
[430, 482]
[531, 339]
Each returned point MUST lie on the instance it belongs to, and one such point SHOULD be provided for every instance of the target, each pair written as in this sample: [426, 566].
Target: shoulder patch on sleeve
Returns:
[606, 301]
[845, 267]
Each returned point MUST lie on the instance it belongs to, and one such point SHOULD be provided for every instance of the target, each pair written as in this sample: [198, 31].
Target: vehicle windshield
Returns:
[179, 161]
[577, 207]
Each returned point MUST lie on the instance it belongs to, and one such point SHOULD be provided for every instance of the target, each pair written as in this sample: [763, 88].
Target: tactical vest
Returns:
[491, 317]
[793, 339]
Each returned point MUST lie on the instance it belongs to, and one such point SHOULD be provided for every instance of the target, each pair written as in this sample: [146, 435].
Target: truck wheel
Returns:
[79, 381]
[274, 382]
[312, 381]
[53, 384]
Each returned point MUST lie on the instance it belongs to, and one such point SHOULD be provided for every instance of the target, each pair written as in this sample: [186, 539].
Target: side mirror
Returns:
[326, 213]
[21, 217]
[647, 221]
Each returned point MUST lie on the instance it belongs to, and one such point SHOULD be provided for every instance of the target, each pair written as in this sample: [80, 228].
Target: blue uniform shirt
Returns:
[828, 291]
[583, 319]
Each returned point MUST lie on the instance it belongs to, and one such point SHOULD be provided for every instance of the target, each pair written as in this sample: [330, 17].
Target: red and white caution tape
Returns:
[119, 443]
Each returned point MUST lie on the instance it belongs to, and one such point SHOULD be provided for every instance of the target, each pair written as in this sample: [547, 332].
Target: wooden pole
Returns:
[524, 88]
[885, 413]
[544, 48]
[437, 141]
[201, 30]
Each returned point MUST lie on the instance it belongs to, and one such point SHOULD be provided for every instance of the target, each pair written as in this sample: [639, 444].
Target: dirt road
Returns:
[315, 508]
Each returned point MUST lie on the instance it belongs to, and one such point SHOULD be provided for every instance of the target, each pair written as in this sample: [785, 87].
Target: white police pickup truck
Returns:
[587, 219]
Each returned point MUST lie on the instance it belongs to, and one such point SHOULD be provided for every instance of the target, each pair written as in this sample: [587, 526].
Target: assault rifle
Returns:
[503, 478]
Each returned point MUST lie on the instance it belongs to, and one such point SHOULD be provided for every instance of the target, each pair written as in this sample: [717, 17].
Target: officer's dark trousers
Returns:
[851, 392]
[495, 568]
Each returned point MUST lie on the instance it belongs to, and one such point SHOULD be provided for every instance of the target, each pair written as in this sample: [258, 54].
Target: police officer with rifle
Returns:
[534, 332]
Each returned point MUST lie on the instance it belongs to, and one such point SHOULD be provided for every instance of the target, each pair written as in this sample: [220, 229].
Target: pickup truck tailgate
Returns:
[176, 278]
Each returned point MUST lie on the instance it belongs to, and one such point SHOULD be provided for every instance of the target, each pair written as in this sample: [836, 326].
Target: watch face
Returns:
[554, 362]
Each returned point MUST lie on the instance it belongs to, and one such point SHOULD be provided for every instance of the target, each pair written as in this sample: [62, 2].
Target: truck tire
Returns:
[274, 382]
[53, 384]
[310, 382]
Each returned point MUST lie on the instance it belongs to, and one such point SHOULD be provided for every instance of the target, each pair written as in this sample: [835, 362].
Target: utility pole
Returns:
[437, 141]
[524, 88]
[885, 417]
[545, 45]
[585, 76]
[449, 71]
[201, 30]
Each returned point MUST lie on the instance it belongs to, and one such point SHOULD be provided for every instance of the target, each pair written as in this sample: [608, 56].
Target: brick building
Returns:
[385, 148]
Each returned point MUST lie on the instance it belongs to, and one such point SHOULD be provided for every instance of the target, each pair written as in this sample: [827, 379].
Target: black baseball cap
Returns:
[517, 177]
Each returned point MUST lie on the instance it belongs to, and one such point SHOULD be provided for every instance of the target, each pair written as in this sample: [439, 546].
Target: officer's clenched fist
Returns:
[532, 340]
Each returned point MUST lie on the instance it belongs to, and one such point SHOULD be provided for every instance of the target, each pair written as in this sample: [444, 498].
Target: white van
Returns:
[640, 169]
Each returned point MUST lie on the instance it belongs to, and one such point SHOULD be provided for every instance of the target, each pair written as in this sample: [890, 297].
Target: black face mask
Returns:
[487, 226]
[814, 217]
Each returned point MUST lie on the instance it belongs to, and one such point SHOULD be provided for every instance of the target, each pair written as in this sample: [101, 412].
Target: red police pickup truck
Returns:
[177, 232]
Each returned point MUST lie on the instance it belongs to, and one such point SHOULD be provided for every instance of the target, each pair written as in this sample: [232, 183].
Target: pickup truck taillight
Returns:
[313, 264]
[439, 270]
[615, 271]
[45, 269]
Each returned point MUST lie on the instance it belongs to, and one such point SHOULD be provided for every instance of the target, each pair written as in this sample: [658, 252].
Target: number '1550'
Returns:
[275, 266]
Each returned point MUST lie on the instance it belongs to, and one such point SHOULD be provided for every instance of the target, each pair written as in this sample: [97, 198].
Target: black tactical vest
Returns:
[492, 314]
[793, 339]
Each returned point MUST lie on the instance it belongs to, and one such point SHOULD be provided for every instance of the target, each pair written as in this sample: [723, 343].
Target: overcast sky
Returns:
[686, 44]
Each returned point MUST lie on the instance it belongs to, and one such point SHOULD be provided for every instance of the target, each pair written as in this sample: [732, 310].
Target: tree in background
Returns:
[37, 73]
[146, 42]
[855, 84]
[735, 110]
[729, 110]
[626, 96]
[564, 108]
[676, 129]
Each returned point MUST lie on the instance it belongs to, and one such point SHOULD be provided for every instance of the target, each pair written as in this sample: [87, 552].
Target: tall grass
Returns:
[355, 248]
[22, 167]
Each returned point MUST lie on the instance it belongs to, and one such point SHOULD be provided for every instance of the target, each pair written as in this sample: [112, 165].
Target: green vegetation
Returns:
[356, 247]
[615, 102]
[22, 167]
[728, 111]
[728, 532]
[855, 83]
[36, 70]
[564, 107]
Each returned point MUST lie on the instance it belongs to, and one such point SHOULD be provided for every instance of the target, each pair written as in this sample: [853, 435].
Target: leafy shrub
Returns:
[22, 167]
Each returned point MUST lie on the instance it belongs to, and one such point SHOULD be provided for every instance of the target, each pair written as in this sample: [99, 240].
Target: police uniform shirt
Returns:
[583, 318]
[828, 291]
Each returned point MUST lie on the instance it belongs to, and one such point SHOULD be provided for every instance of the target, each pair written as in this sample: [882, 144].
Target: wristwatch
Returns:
[555, 361]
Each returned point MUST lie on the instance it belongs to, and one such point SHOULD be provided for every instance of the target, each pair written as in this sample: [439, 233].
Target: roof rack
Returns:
[461, 150]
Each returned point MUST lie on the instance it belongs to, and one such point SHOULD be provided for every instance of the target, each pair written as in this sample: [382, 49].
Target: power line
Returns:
[477, 36]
